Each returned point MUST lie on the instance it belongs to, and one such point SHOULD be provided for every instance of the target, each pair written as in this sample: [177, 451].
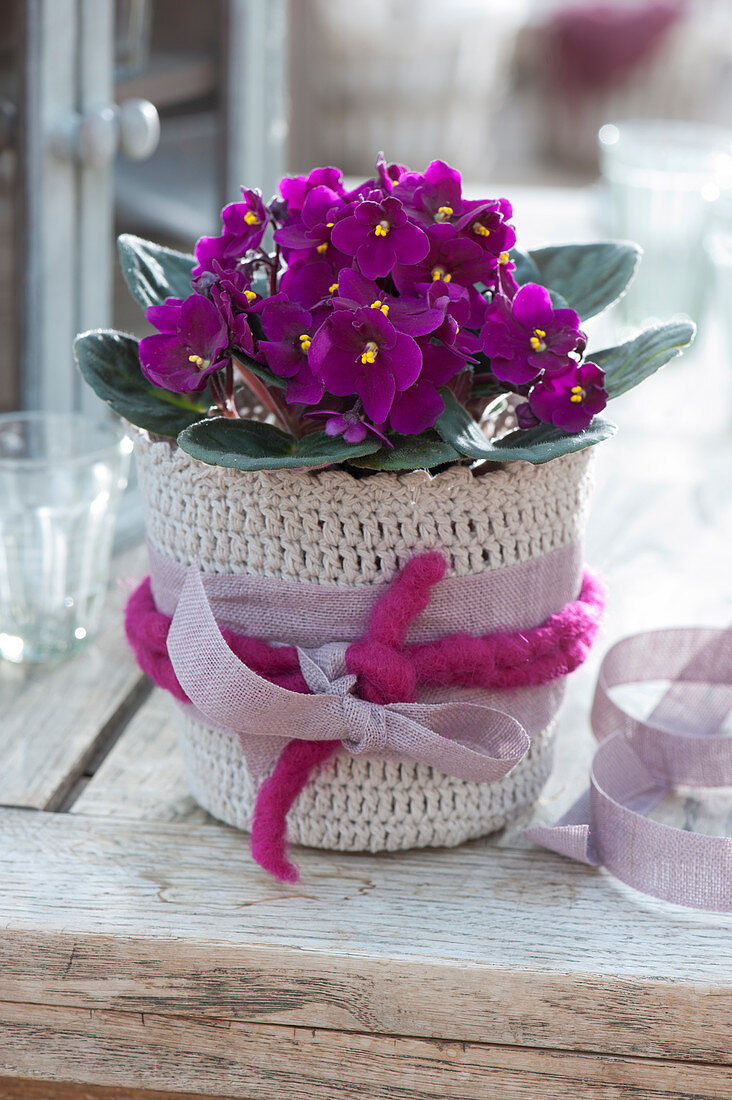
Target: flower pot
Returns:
[332, 529]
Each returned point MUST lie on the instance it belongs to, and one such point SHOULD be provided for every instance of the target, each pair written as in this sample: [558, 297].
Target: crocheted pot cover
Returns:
[331, 528]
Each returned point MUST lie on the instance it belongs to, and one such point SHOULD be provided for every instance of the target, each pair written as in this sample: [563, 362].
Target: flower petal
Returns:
[376, 257]
[404, 361]
[376, 389]
[532, 306]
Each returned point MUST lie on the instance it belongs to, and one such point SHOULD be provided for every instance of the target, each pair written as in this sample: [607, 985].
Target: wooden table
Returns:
[141, 949]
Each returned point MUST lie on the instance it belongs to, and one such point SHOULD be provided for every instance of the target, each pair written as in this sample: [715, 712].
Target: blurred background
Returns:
[147, 115]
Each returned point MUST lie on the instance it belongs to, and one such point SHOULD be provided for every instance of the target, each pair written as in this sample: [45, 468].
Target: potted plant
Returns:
[365, 425]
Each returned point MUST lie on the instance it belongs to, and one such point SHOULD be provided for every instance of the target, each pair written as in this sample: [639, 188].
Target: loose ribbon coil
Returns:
[638, 761]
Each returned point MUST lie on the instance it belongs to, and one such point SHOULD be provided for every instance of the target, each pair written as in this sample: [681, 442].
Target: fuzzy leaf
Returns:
[252, 445]
[537, 445]
[525, 270]
[259, 370]
[110, 363]
[589, 277]
[416, 452]
[628, 364]
[153, 272]
[545, 442]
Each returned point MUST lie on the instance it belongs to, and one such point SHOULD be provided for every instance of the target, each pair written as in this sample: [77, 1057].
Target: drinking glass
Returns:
[719, 247]
[61, 476]
[663, 179]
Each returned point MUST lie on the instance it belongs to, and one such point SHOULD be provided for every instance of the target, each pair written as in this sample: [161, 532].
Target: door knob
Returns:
[94, 138]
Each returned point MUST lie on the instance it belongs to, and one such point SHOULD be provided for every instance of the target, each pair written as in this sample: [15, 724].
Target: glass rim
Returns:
[721, 136]
[116, 430]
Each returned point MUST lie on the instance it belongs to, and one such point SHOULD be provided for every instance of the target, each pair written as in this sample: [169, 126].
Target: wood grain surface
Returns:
[478, 944]
[268, 1062]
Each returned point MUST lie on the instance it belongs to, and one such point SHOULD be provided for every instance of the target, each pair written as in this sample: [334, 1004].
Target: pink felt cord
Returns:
[387, 671]
[275, 798]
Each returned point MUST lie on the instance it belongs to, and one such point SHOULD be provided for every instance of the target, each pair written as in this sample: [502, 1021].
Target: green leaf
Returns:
[264, 374]
[537, 445]
[628, 364]
[541, 444]
[252, 445]
[526, 270]
[153, 272]
[416, 452]
[589, 277]
[110, 363]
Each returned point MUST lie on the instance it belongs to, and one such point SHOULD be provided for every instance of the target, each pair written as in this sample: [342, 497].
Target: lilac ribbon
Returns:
[467, 740]
[638, 761]
[514, 597]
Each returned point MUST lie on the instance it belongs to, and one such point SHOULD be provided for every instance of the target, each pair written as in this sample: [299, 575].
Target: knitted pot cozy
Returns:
[332, 529]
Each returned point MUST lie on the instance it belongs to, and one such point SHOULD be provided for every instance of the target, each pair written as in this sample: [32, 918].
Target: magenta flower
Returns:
[463, 310]
[165, 317]
[451, 258]
[229, 290]
[244, 226]
[181, 358]
[417, 408]
[309, 283]
[295, 189]
[309, 236]
[525, 336]
[415, 316]
[350, 424]
[288, 327]
[388, 174]
[569, 398]
[361, 352]
[379, 235]
[486, 223]
[435, 196]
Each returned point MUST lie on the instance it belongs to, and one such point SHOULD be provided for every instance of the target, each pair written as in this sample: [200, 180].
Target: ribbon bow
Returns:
[467, 740]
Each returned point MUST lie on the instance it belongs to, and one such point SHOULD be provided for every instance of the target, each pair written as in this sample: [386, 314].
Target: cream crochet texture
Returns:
[330, 528]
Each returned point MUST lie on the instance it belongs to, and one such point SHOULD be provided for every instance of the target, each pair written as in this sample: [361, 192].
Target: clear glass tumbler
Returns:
[61, 476]
[719, 247]
[663, 179]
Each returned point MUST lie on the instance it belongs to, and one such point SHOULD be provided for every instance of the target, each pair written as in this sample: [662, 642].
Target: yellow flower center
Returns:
[251, 218]
[305, 342]
[481, 230]
[440, 273]
[382, 229]
[503, 258]
[537, 340]
[443, 214]
[199, 362]
[370, 352]
[383, 306]
[249, 295]
[330, 224]
[333, 288]
[578, 395]
[322, 247]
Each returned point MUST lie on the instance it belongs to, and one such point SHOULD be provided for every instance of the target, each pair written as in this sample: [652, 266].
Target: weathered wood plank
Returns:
[285, 1063]
[474, 944]
[143, 775]
[23, 1088]
[56, 718]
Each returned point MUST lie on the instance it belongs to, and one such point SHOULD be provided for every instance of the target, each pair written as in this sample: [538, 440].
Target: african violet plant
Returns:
[384, 327]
